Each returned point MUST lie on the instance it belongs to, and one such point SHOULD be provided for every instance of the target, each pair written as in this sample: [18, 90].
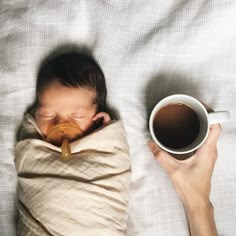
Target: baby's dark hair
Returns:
[77, 70]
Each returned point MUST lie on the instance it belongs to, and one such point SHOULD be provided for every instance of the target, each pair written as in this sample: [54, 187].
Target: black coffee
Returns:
[176, 125]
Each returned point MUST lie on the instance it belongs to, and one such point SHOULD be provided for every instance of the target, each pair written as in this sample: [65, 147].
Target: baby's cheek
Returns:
[86, 125]
[43, 126]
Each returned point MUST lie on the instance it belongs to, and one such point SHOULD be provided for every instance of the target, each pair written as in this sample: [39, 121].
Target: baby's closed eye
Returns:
[46, 115]
[77, 116]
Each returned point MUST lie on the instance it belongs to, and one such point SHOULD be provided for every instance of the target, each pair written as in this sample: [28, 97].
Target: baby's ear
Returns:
[97, 116]
[105, 117]
[97, 122]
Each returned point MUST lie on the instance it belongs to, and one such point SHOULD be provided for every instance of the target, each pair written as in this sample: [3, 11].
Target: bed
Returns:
[147, 50]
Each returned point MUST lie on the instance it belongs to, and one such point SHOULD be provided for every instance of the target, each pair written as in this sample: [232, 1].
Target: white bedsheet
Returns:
[148, 49]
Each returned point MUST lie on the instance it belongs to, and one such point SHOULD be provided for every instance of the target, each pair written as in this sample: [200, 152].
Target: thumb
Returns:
[168, 162]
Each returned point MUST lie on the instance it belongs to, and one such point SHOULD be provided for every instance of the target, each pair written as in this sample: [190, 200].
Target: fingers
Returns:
[102, 115]
[168, 162]
[214, 133]
[215, 130]
[209, 148]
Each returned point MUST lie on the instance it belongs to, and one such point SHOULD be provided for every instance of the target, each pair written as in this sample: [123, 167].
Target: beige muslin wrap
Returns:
[85, 196]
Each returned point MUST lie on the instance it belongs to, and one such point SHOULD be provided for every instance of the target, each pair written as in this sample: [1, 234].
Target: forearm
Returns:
[201, 219]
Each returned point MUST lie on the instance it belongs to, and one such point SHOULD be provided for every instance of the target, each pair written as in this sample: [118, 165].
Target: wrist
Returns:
[201, 218]
[195, 200]
[199, 207]
[195, 206]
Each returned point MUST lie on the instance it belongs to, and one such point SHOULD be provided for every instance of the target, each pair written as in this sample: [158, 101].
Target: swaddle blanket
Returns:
[87, 195]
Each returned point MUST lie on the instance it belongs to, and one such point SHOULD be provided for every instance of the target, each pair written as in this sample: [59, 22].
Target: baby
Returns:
[87, 194]
[71, 89]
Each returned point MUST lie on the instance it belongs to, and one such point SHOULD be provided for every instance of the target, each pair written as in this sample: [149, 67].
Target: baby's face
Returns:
[60, 104]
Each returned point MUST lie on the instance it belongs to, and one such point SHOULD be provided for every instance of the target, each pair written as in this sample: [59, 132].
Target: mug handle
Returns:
[218, 117]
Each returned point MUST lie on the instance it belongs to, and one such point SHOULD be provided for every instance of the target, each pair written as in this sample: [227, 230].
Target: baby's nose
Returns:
[61, 120]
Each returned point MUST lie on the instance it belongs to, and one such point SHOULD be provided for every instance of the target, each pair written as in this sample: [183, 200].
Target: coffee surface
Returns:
[176, 125]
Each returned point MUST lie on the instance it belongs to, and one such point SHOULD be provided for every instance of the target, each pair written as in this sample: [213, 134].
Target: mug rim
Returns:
[158, 106]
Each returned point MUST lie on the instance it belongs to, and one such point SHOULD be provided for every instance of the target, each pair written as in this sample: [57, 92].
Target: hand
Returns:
[192, 181]
[191, 177]
[104, 116]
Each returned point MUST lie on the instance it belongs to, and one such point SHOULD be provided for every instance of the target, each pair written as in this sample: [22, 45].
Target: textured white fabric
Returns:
[148, 49]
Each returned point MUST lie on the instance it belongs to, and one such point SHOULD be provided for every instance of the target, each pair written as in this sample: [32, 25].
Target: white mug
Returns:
[205, 120]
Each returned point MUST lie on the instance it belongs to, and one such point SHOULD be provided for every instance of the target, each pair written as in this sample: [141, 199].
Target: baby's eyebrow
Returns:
[79, 112]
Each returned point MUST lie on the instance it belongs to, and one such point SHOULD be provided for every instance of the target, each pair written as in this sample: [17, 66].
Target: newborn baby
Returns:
[70, 89]
[87, 194]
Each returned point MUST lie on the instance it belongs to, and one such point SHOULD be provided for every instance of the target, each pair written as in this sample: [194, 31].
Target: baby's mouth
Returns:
[58, 133]
[61, 135]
